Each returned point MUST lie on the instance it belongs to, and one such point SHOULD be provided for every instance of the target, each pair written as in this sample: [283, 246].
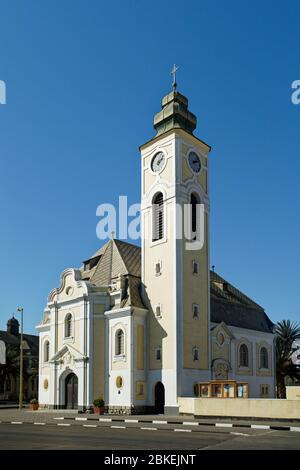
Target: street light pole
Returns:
[20, 309]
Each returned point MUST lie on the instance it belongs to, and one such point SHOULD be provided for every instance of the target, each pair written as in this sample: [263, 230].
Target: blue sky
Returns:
[84, 80]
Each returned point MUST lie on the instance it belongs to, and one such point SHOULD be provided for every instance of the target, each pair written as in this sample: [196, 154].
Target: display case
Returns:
[221, 389]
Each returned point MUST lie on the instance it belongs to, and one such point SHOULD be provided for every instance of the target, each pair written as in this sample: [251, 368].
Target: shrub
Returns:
[99, 402]
[34, 401]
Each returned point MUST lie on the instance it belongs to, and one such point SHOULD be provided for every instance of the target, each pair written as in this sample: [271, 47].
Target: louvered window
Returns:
[68, 326]
[119, 346]
[158, 217]
[194, 203]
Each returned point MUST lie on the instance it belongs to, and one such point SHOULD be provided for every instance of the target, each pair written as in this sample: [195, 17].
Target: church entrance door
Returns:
[159, 393]
[71, 391]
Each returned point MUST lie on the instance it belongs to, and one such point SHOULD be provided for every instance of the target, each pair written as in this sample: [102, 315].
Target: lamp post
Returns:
[20, 309]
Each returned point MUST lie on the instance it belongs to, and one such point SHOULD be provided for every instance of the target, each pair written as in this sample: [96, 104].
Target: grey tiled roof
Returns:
[228, 304]
[12, 340]
[118, 258]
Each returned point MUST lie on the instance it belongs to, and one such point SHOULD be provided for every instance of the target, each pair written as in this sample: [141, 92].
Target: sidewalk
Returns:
[71, 416]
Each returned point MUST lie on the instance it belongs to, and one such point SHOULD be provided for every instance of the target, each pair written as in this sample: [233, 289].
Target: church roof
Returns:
[14, 341]
[117, 258]
[228, 304]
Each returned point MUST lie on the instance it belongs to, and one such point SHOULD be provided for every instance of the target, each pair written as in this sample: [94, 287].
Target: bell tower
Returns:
[175, 254]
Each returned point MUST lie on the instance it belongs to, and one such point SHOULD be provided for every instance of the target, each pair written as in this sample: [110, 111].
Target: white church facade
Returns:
[140, 326]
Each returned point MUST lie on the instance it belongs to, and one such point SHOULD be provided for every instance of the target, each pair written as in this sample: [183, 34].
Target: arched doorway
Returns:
[71, 384]
[159, 393]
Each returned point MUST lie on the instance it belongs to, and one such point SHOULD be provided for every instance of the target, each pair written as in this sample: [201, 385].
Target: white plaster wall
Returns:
[119, 396]
[254, 380]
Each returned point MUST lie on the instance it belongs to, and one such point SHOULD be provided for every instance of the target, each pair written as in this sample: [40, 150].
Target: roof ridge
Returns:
[117, 240]
[101, 259]
[117, 247]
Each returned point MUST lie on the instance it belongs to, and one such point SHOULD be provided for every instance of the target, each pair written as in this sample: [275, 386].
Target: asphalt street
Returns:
[46, 437]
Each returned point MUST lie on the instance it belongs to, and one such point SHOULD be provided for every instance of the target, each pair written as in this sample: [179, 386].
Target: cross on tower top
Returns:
[173, 72]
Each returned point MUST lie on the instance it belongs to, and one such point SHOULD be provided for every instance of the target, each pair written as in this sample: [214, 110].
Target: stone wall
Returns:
[241, 408]
[293, 392]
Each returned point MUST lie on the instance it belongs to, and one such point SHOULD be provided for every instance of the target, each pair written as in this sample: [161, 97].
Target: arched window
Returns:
[244, 356]
[158, 217]
[46, 351]
[194, 201]
[119, 343]
[264, 360]
[68, 325]
[195, 354]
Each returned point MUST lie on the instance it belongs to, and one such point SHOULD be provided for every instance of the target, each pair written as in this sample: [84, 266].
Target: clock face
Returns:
[158, 162]
[194, 162]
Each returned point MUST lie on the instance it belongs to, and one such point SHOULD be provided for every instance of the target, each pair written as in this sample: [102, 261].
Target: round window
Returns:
[221, 339]
[119, 382]
[46, 384]
[69, 290]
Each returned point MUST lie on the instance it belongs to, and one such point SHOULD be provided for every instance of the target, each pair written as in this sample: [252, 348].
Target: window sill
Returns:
[121, 358]
[69, 339]
[158, 242]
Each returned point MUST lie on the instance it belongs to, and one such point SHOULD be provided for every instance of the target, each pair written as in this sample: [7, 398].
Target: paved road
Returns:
[27, 436]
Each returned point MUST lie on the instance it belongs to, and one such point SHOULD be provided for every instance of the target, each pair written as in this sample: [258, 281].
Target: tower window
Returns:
[119, 343]
[158, 217]
[195, 354]
[158, 310]
[194, 201]
[158, 354]
[196, 310]
[158, 268]
[195, 267]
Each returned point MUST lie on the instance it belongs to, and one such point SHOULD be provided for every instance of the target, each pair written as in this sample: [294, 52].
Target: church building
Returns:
[143, 326]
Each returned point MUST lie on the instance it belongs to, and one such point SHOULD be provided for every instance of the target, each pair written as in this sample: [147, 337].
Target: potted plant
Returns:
[99, 406]
[34, 404]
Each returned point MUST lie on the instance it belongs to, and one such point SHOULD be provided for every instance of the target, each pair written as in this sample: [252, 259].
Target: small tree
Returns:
[286, 333]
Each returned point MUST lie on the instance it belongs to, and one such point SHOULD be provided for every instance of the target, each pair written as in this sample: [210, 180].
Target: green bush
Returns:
[34, 401]
[99, 402]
